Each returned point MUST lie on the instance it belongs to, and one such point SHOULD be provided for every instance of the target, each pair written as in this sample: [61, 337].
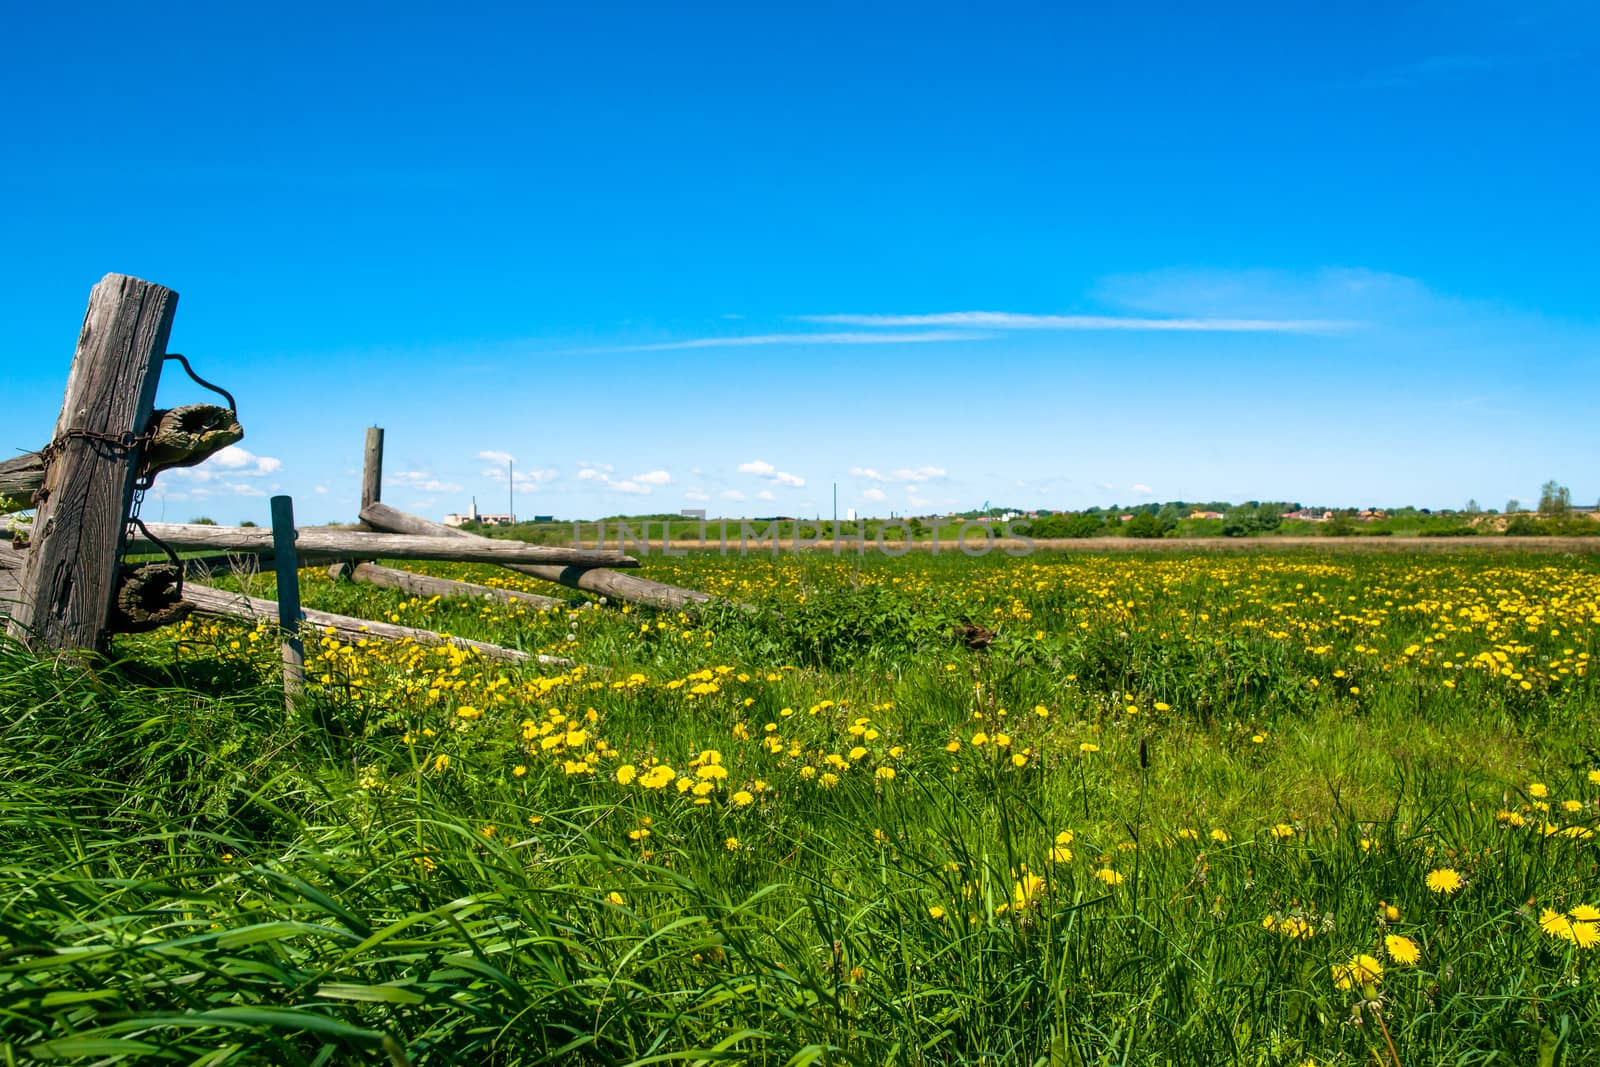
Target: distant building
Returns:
[473, 515]
[693, 513]
[1205, 515]
[1309, 515]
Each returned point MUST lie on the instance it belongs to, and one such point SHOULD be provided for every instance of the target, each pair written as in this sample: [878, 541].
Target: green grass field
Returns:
[1063, 809]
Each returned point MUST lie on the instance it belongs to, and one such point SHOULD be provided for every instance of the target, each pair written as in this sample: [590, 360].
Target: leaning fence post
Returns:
[287, 563]
[372, 467]
[69, 578]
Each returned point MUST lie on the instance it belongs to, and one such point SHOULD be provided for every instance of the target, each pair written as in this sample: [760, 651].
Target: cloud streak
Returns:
[762, 469]
[924, 337]
[1010, 320]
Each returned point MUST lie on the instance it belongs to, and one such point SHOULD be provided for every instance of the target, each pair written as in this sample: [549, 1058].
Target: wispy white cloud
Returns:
[423, 482]
[494, 456]
[1430, 68]
[1141, 489]
[924, 337]
[529, 479]
[925, 473]
[1009, 320]
[874, 493]
[232, 462]
[639, 484]
[766, 494]
[762, 469]
[732, 494]
[695, 494]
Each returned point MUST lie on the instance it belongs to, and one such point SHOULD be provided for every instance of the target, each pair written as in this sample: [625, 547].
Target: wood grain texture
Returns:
[20, 476]
[70, 577]
[427, 585]
[221, 603]
[606, 583]
[372, 467]
[328, 543]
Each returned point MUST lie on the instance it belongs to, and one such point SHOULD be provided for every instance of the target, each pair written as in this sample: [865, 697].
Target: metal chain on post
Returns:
[143, 479]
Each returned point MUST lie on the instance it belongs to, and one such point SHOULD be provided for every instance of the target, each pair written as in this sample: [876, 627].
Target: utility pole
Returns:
[511, 490]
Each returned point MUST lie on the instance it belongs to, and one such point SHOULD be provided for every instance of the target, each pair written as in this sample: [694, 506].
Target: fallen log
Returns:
[355, 545]
[20, 477]
[426, 585]
[10, 567]
[606, 583]
[221, 603]
[180, 437]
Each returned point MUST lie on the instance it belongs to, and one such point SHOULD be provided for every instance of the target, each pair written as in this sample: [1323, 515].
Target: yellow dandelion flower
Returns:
[1088, 747]
[1586, 913]
[1445, 880]
[1402, 950]
[626, 774]
[1026, 891]
[1362, 970]
[1555, 924]
[936, 912]
[742, 799]
[1108, 876]
[614, 897]
[731, 844]
[1538, 790]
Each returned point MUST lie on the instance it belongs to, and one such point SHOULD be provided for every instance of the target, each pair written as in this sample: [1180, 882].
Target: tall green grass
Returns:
[192, 873]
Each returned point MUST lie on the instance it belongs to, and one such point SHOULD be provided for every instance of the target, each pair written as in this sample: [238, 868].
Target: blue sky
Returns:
[680, 256]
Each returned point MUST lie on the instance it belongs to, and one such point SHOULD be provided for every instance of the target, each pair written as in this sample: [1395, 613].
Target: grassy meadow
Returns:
[1276, 809]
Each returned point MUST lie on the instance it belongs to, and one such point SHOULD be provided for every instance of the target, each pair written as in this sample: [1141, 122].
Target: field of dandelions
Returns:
[1056, 810]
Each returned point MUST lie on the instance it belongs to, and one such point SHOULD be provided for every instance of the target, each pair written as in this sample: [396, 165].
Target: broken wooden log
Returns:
[626, 587]
[221, 603]
[10, 565]
[354, 544]
[188, 436]
[147, 599]
[20, 477]
[427, 585]
[181, 437]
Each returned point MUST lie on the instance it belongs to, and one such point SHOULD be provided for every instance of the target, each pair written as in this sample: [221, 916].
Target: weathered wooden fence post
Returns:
[69, 579]
[287, 562]
[372, 467]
